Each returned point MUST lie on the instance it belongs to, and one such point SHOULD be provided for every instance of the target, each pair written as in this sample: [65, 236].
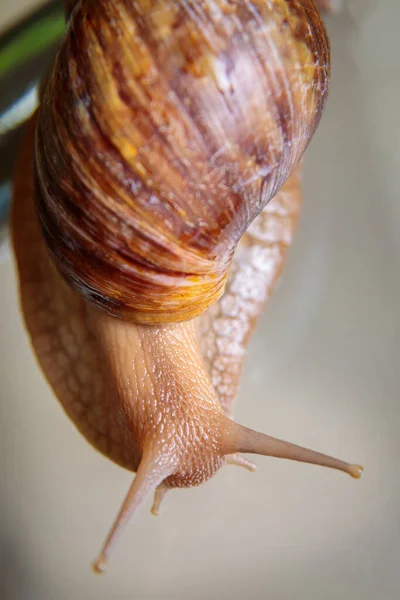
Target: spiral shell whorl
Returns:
[165, 128]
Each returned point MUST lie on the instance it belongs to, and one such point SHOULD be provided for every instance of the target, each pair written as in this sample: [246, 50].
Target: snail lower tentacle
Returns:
[144, 243]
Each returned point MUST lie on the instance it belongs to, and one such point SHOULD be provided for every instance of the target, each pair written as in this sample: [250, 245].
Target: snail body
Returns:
[164, 130]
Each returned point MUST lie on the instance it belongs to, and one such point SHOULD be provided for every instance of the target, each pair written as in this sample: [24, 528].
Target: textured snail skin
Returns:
[74, 341]
[169, 126]
[166, 390]
[154, 399]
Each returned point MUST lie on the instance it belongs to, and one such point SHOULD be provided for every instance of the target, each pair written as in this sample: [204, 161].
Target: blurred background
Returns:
[15, 10]
[323, 370]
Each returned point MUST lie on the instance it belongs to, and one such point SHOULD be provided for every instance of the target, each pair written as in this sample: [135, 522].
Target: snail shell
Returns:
[164, 130]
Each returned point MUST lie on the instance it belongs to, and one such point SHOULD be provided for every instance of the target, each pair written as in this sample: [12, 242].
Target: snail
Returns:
[145, 236]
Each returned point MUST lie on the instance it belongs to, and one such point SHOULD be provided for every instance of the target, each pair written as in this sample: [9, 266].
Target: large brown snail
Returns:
[165, 128]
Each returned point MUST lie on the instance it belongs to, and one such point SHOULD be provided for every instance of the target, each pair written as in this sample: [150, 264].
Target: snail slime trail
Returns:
[145, 236]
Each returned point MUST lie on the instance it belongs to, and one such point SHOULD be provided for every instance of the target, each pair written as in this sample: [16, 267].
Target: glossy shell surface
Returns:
[164, 130]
